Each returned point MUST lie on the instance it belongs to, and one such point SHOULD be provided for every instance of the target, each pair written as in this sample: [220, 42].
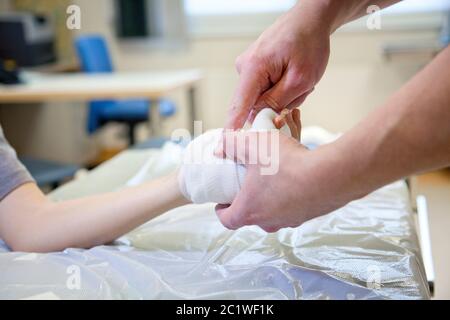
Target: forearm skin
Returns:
[409, 134]
[335, 13]
[43, 225]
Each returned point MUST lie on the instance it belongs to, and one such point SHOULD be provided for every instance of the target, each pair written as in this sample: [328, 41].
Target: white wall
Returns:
[357, 80]
[5, 5]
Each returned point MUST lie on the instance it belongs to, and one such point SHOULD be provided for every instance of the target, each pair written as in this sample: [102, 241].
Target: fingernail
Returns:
[284, 112]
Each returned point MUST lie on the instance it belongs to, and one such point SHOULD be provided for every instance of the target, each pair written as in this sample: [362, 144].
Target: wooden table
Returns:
[40, 87]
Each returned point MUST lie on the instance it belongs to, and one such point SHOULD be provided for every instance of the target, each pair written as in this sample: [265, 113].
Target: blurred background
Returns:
[366, 66]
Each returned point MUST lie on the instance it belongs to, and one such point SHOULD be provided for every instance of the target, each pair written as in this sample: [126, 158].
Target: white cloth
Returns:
[206, 178]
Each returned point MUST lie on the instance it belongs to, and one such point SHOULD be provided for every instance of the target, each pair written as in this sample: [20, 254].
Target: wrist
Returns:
[177, 195]
[352, 167]
[325, 15]
[163, 193]
[335, 176]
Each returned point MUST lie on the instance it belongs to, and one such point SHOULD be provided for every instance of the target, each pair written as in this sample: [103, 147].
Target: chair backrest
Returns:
[93, 54]
[94, 57]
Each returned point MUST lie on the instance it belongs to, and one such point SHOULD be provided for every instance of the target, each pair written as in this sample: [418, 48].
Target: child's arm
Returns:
[29, 221]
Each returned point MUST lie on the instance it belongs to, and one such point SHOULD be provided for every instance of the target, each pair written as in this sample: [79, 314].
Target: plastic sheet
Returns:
[366, 250]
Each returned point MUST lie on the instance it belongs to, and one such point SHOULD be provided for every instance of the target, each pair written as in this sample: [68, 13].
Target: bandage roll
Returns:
[206, 178]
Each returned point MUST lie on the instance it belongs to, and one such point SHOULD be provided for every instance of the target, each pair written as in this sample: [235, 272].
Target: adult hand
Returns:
[299, 190]
[410, 125]
[282, 67]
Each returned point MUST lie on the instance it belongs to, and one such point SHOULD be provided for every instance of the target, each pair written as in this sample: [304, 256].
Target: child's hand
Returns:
[292, 119]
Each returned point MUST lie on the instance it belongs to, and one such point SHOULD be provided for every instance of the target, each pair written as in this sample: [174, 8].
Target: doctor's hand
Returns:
[306, 184]
[282, 67]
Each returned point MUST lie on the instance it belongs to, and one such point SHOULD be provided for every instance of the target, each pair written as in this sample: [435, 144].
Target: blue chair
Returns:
[94, 57]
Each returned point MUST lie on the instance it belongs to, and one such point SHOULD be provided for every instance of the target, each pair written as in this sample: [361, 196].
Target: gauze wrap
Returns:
[204, 177]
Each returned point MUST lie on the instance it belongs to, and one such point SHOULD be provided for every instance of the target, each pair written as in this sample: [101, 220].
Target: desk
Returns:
[41, 87]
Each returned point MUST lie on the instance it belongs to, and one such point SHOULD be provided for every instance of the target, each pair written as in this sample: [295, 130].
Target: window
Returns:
[131, 18]
[419, 6]
[230, 7]
[212, 18]
[160, 21]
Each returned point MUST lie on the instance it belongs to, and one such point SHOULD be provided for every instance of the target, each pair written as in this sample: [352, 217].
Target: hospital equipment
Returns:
[26, 38]
[9, 73]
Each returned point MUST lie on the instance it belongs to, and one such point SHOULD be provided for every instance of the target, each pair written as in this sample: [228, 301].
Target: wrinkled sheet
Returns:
[366, 250]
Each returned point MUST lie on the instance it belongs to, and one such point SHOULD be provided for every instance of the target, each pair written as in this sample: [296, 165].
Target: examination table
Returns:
[366, 250]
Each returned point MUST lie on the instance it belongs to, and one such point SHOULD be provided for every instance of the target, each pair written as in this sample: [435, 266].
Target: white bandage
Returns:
[204, 177]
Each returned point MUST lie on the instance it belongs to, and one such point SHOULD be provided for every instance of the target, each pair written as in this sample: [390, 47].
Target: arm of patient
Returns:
[30, 222]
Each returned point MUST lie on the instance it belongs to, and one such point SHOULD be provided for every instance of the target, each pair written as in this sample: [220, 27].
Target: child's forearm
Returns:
[99, 219]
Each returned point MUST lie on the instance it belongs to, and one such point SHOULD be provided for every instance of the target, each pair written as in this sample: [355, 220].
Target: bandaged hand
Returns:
[290, 195]
[206, 177]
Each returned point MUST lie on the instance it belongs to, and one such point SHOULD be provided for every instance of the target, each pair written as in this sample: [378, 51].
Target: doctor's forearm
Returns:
[408, 135]
[336, 13]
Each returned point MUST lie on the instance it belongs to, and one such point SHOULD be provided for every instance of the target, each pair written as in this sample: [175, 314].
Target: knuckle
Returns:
[249, 220]
[300, 79]
[238, 63]
[253, 56]
[252, 61]
[227, 223]
[255, 61]
[296, 73]
[272, 103]
[270, 229]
